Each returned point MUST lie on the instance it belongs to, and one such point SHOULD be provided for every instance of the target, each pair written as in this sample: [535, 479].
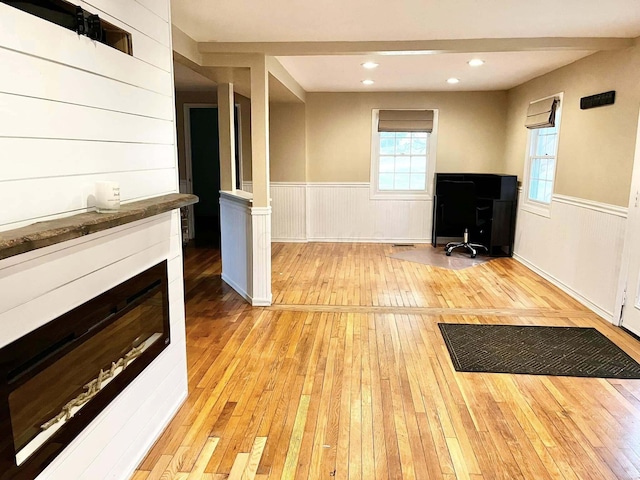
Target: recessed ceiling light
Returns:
[476, 62]
[367, 82]
[453, 80]
[369, 65]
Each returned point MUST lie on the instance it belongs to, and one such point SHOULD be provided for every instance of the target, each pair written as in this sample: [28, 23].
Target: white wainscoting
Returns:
[235, 239]
[578, 248]
[261, 256]
[246, 247]
[289, 212]
[344, 212]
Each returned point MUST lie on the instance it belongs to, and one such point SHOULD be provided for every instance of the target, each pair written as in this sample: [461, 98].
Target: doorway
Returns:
[203, 170]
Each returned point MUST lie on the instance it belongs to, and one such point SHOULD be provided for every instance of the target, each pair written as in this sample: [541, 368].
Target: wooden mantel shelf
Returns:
[44, 234]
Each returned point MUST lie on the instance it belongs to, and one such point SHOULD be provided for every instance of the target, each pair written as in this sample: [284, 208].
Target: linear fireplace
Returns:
[55, 380]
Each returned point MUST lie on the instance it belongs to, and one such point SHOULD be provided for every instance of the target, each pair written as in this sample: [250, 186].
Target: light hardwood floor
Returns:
[347, 376]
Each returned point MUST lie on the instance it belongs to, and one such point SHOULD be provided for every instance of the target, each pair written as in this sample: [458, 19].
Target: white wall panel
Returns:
[43, 79]
[54, 267]
[260, 257]
[75, 193]
[159, 7]
[289, 206]
[235, 238]
[344, 212]
[41, 158]
[68, 48]
[73, 112]
[36, 118]
[134, 15]
[578, 247]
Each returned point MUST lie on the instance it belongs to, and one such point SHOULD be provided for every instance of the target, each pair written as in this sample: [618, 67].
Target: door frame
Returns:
[187, 152]
[633, 215]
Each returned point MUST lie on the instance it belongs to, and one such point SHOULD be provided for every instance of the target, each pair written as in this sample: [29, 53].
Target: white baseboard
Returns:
[289, 240]
[160, 427]
[261, 302]
[608, 316]
[240, 290]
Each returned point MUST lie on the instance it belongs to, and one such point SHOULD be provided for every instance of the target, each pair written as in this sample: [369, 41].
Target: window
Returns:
[542, 158]
[402, 163]
[542, 153]
[402, 166]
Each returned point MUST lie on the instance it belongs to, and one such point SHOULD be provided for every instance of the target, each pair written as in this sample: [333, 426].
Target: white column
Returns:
[261, 207]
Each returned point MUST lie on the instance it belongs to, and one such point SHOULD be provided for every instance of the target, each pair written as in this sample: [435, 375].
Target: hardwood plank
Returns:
[203, 458]
[348, 377]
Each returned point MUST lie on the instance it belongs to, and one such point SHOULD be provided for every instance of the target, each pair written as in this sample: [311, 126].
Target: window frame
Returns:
[427, 193]
[535, 206]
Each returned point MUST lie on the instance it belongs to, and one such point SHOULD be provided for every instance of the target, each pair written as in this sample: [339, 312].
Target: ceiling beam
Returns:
[284, 77]
[185, 46]
[417, 46]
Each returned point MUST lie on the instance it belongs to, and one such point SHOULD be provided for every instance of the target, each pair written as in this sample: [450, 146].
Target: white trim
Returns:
[629, 248]
[532, 207]
[415, 195]
[237, 196]
[339, 184]
[568, 290]
[290, 240]
[285, 184]
[260, 211]
[241, 291]
[591, 205]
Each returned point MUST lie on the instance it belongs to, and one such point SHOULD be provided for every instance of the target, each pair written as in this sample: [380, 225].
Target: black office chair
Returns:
[460, 210]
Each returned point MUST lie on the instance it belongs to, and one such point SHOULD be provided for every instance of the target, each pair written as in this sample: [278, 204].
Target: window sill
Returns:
[537, 209]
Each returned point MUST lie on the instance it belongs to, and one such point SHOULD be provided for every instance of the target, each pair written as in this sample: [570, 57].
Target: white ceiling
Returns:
[417, 20]
[353, 20]
[424, 72]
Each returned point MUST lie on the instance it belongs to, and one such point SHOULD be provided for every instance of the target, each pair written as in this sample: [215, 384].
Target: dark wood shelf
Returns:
[45, 234]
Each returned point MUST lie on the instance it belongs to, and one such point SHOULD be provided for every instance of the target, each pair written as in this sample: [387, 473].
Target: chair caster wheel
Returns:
[448, 254]
[473, 255]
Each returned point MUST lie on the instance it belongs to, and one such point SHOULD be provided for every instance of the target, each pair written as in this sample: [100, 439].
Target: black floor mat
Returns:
[564, 351]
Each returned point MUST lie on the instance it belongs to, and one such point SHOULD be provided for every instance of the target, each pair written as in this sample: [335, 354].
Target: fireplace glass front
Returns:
[59, 377]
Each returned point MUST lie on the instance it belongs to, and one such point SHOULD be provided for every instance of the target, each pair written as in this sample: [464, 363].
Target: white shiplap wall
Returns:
[73, 112]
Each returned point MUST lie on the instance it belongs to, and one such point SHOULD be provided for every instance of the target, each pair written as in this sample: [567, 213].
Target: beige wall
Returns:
[245, 135]
[211, 97]
[596, 150]
[287, 144]
[470, 131]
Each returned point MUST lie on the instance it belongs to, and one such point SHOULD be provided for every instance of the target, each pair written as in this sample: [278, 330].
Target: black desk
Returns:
[499, 193]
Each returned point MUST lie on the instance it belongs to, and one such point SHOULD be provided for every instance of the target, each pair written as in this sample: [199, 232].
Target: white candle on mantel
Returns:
[107, 197]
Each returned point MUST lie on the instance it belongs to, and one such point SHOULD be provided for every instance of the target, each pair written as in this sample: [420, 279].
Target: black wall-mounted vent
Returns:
[75, 18]
[598, 100]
